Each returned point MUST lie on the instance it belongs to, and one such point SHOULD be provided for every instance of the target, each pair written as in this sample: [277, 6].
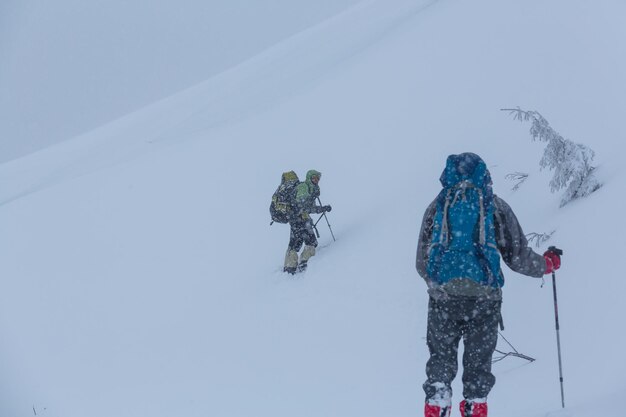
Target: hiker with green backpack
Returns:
[292, 203]
[465, 231]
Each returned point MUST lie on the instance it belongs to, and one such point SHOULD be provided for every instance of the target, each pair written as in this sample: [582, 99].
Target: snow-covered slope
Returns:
[69, 66]
[140, 276]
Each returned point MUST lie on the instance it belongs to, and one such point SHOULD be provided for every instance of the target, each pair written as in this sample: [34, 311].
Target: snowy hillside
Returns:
[69, 66]
[141, 276]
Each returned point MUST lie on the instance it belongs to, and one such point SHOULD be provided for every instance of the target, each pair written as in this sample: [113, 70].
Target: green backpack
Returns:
[283, 204]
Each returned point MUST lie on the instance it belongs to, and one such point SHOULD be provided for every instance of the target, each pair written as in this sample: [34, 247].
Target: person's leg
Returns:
[479, 340]
[310, 243]
[295, 243]
[443, 336]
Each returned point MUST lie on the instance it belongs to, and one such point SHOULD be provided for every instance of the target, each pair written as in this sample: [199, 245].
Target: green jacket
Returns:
[306, 194]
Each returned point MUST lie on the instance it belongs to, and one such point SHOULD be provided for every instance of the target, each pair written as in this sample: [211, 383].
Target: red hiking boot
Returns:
[474, 408]
[434, 410]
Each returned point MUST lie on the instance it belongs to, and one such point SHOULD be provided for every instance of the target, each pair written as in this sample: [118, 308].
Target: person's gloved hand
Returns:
[553, 261]
[327, 208]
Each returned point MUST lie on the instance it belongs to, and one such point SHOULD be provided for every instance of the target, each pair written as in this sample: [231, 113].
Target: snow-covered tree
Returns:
[571, 162]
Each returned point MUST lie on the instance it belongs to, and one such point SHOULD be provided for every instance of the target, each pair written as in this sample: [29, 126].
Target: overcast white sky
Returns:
[60, 80]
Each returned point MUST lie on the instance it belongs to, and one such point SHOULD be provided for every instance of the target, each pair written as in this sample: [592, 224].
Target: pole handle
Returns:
[556, 250]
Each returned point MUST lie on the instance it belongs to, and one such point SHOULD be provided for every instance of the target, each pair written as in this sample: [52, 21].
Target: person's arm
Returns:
[314, 208]
[513, 244]
[423, 243]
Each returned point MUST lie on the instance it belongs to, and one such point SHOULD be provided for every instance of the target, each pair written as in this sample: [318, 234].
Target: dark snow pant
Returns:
[301, 232]
[476, 321]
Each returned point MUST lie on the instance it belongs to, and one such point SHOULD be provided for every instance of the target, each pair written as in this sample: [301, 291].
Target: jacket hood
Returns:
[465, 166]
[312, 173]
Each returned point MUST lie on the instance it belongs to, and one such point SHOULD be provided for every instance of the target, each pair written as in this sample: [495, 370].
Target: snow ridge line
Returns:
[264, 81]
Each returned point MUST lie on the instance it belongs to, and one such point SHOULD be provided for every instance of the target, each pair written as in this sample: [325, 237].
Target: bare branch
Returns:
[520, 177]
[539, 238]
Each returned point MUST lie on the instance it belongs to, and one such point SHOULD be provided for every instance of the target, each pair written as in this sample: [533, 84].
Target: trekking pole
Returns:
[559, 252]
[317, 233]
[327, 222]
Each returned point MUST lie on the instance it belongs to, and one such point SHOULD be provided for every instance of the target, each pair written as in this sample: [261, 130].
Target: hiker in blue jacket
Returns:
[465, 231]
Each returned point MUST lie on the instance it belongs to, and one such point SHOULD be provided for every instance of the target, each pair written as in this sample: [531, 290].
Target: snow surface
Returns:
[68, 66]
[141, 277]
